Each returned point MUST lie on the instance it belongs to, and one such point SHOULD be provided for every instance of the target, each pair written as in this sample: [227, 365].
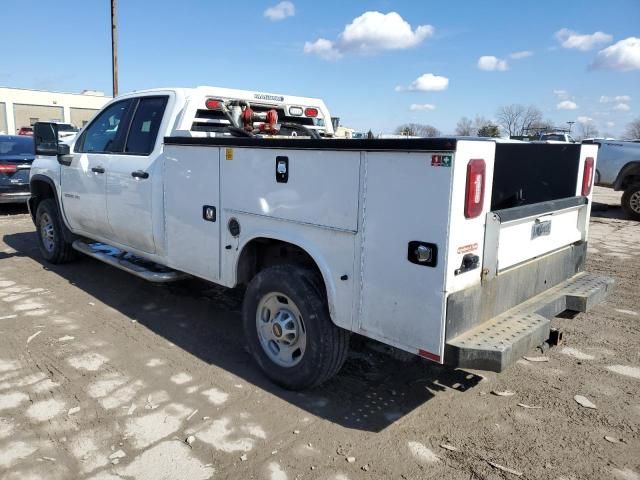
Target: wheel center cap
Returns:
[277, 330]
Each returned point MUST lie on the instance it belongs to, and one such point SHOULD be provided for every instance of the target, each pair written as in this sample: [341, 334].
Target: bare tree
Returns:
[543, 125]
[464, 127]
[429, 131]
[532, 116]
[633, 130]
[509, 118]
[587, 130]
[417, 130]
[517, 119]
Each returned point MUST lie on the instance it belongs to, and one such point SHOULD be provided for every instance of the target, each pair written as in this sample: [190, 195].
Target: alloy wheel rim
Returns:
[281, 329]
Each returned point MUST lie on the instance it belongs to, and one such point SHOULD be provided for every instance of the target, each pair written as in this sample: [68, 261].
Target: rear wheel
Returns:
[631, 201]
[50, 236]
[289, 330]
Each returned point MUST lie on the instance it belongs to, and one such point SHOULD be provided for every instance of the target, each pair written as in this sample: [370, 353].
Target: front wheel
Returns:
[631, 201]
[49, 227]
[289, 330]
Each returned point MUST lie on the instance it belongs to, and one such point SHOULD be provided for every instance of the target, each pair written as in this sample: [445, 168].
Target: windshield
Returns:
[16, 146]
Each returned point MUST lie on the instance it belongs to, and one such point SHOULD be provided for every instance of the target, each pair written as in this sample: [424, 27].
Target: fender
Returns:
[313, 252]
[68, 234]
[631, 168]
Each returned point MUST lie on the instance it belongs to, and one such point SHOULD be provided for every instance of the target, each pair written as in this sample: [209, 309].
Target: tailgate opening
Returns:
[527, 174]
[535, 209]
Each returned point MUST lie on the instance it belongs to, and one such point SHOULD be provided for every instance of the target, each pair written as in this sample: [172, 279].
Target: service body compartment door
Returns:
[406, 198]
[191, 191]
[316, 187]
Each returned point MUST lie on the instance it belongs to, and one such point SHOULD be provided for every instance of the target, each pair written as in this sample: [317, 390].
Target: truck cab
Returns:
[561, 137]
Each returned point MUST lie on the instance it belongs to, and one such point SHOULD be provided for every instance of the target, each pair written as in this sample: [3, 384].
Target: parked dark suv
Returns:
[16, 155]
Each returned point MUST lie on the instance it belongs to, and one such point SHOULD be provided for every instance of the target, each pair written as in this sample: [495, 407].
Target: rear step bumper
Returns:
[495, 344]
[128, 262]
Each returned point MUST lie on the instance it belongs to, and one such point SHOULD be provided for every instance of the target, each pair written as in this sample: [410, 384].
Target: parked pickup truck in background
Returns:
[457, 250]
[619, 168]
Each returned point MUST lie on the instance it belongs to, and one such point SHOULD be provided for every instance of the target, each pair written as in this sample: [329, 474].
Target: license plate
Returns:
[540, 229]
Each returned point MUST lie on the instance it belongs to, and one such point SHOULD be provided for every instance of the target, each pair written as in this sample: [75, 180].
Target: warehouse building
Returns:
[21, 107]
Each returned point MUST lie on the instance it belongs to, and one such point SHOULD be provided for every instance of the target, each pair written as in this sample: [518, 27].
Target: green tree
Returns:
[489, 130]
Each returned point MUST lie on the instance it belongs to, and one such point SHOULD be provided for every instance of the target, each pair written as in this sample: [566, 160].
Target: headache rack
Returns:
[219, 123]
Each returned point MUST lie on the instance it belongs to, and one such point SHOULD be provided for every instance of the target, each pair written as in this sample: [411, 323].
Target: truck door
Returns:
[132, 175]
[84, 178]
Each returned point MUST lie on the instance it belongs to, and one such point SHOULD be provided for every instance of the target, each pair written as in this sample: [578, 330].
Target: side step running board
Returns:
[128, 262]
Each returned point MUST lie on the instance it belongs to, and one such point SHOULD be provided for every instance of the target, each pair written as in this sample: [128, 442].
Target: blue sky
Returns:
[361, 61]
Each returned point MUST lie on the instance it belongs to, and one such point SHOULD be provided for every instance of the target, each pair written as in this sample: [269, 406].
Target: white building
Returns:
[21, 107]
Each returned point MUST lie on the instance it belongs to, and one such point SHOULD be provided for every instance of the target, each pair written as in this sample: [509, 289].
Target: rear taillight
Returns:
[311, 112]
[587, 177]
[8, 168]
[474, 197]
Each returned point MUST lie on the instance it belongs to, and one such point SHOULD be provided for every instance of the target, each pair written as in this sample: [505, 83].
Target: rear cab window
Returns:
[145, 125]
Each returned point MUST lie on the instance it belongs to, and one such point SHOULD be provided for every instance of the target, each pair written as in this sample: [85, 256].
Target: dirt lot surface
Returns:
[103, 376]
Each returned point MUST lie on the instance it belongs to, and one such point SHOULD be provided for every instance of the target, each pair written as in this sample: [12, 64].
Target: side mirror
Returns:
[45, 138]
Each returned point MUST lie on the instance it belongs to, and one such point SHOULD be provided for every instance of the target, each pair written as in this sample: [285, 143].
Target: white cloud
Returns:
[522, 54]
[622, 107]
[583, 119]
[491, 63]
[566, 105]
[571, 39]
[617, 98]
[372, 32]
[422, 106]
[610, 124]
[427, 82]
[280, 11]
[623, 56]
[561, 94]
[323, 48]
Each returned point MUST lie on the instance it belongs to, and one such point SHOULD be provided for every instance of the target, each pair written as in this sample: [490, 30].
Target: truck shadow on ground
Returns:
[13, 209]
[604, 210]
[372, 390]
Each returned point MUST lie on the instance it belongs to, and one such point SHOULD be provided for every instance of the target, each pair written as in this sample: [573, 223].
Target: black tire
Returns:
[52, 245]
[326, 345]
[631, 201]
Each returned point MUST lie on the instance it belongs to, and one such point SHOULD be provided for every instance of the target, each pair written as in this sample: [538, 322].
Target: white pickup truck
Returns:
[457, 250]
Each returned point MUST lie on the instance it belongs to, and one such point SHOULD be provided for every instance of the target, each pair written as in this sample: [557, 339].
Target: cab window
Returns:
[105, 132]
[145, 125]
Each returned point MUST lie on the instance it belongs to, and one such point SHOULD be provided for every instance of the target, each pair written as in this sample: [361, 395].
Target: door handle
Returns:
[140, 174]
[98, 169]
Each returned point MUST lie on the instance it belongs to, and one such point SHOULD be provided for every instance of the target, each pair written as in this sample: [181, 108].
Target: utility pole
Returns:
[114, 49]
[570, 125]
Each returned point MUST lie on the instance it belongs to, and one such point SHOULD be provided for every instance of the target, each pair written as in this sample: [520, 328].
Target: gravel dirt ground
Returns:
[104, 376]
